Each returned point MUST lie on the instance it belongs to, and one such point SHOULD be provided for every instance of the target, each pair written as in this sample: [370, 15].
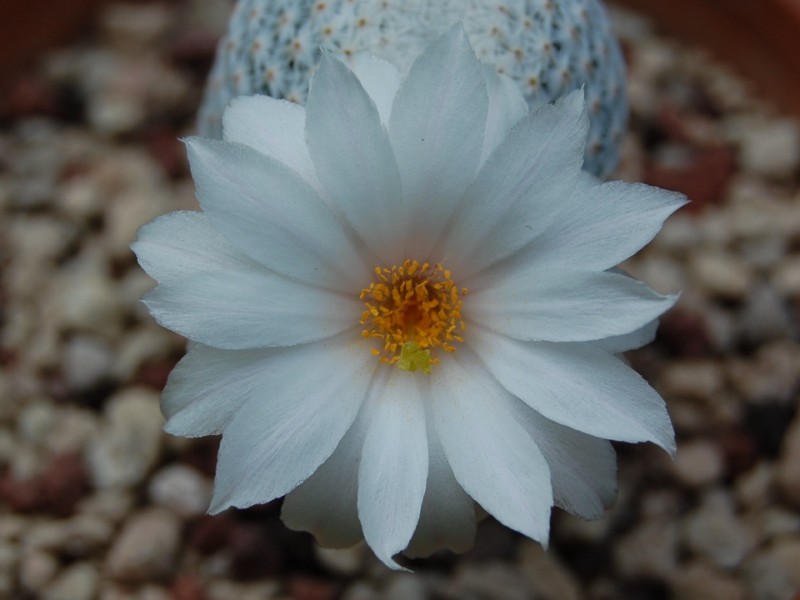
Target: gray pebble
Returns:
[147, 548]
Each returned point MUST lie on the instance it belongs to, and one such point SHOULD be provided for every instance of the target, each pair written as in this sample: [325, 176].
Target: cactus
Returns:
[549, 47]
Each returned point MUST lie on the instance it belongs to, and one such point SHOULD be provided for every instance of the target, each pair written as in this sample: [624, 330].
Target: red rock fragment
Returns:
[201, 455]
[186, 587]
[684, 332]
[22, 496]
[154, 373]
[169, 152]
[64, 483]
[740, 452]
[208, 533]
[254, 554]
[703, 179]
[29, 96]
[307, 588]
[194, 51]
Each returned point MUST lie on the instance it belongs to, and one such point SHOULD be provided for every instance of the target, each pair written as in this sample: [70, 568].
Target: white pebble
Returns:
[140, 345]
[128, 446]
[82, 296]
[8, 557]
[650, 550]
[545, 576]
[714, 532]
[76, 582]
[147, 547]
[768, 376]
[45, 535]
[692, 379]
[787, 471]
[81, 198]
[74, 428]
[699, 581]
[182, 490]
[126, 214]
[8, 445]
[773, 573]
[754, 486]
[402, 586]
[486, 580]
[13, 527]
[786, 276]
[770, 148]
[35, 421]
[229, 590]
[678, 234]
[87, 361]
[36, 570]
[721, 274]
[764, 317]
[88, 535]
[775, 523]
[110, 504]
[114, 114]
[345, 561]
[135, 28]
[698, 463]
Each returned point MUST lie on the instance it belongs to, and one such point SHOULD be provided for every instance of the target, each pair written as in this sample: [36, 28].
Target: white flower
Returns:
[400, 303]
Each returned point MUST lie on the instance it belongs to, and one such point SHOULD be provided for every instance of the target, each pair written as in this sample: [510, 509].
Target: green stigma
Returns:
[412, 357]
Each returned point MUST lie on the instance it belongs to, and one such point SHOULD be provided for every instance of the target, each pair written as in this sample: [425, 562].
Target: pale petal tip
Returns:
[667, 442]
[456, 38]
[218, 504]
[662, 434]
[670, 300]
[174, 427]
[575, 102]
[386, 559]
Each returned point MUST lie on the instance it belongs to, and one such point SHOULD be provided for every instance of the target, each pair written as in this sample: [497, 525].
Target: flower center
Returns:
[415, 309]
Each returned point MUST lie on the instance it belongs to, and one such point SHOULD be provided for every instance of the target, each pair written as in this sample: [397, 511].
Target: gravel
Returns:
[96, 502]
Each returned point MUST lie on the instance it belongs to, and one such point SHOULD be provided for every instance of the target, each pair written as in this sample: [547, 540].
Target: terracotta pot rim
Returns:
[758, 38]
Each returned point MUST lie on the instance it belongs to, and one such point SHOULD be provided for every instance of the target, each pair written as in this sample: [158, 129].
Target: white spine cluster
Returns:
[550, 47]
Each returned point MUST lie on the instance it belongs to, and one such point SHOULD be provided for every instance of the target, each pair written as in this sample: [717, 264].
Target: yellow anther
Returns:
[415, 309]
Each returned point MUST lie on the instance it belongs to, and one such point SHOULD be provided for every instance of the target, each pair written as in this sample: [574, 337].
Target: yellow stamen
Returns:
[414, 308]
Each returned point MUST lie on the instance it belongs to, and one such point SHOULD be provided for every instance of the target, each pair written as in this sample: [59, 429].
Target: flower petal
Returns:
[295, 417]
[325, 504]
[249, 308]
[209, 385]
[577, 385]
[583, 468]
[380, 79]
[601, 226]
[353, 157]
[492, 456]
[436, 127]
[564, 305]
[271, 214]
[447, 519]
[275, 128]
[629, 341]
[184, 242]
[394, 467]
[519, 191]
[506, 107]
